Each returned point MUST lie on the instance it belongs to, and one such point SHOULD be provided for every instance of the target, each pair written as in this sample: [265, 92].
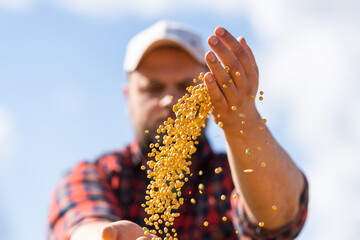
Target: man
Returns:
[103, 198]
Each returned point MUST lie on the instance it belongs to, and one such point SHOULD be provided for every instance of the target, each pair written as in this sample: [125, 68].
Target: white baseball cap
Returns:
[163, 33]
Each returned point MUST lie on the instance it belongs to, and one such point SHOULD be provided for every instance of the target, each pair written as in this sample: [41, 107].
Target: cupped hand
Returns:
[233, 80]
[124, 230]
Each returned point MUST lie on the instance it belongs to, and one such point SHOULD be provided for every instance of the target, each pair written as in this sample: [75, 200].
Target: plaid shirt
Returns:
[113, 188]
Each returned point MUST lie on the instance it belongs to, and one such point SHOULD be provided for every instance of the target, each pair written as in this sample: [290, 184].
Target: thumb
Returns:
[123, 230]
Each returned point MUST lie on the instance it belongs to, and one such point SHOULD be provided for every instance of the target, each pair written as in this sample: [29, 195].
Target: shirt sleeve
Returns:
[84, 194]
[248, 230]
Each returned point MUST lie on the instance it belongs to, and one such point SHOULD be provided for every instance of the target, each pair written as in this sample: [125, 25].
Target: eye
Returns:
[152, 88]
[184, 84]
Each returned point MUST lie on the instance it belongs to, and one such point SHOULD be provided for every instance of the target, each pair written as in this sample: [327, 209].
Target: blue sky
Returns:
[61, 94]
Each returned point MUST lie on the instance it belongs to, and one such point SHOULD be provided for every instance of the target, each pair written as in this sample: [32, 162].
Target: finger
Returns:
[225, 84]
[122, 230]
[143, 238]
[229, 60]
[237, 49]
[217, 98]
[148, 237]
[243, 43]
[109, 233]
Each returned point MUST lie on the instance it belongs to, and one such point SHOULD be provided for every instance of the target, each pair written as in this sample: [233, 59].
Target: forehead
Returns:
[169, 60]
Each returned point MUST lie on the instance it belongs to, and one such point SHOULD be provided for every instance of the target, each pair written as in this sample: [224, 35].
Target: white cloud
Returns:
[310, 70]
[146, 8]
[7, 139]
[16, 5]
[115, 8]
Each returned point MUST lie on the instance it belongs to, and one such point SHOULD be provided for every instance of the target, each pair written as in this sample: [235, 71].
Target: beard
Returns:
[145, 139]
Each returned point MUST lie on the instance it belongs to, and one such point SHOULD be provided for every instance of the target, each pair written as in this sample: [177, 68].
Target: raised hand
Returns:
[233, 84]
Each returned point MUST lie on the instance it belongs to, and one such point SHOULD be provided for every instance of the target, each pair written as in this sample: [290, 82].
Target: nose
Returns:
[167, 101]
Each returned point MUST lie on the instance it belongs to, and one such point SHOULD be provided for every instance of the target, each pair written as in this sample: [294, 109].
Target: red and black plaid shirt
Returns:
[113, 188]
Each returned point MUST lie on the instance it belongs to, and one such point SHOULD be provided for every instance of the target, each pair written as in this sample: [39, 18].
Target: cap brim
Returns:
[164, 42]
